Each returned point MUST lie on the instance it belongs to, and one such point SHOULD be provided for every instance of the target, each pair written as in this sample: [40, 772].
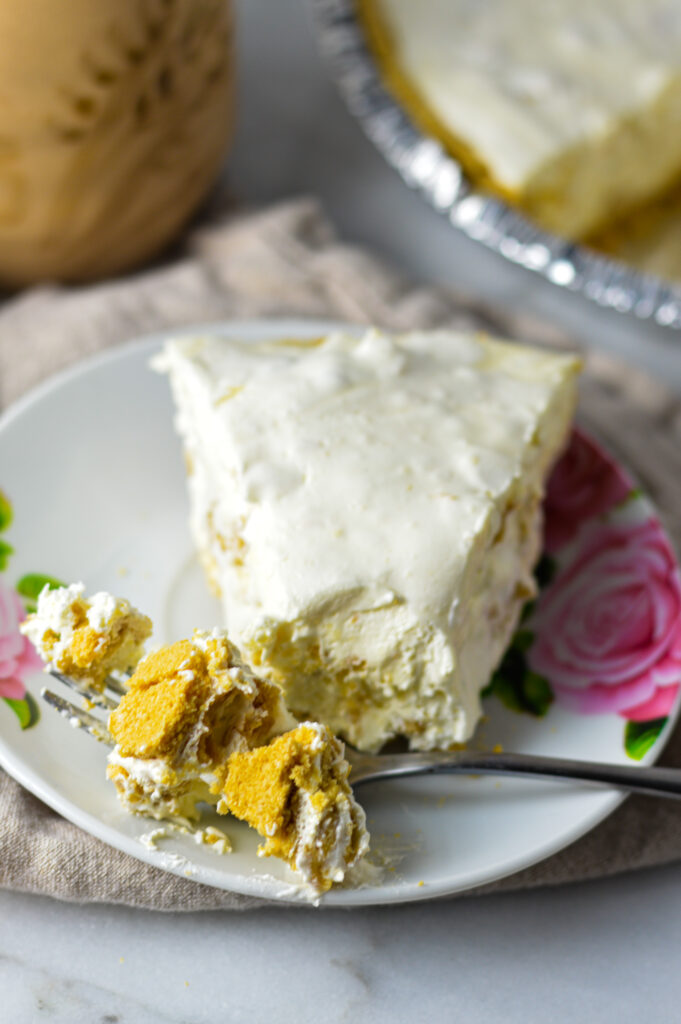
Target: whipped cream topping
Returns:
[317, 455]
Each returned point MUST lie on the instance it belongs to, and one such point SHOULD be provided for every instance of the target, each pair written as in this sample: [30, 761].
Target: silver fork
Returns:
[376, 767]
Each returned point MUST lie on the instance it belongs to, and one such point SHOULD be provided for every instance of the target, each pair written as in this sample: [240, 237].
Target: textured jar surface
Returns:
[114, 118]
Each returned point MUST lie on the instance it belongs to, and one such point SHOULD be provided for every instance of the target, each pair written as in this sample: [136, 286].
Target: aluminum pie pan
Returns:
[427, 168]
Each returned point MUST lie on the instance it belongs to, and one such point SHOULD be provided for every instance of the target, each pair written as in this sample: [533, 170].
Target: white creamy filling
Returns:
[151, 787]
[213, 837]
[102, 609]
[310, 857]
[151, 839]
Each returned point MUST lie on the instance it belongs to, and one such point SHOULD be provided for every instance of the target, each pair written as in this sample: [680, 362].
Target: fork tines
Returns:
[78, 717]
[116, 686]
[101, 699]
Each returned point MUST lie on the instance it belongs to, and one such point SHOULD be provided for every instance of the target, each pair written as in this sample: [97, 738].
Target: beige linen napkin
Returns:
[287, 260]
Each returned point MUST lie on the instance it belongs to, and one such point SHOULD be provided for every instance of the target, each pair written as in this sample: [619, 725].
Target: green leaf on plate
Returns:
[506, 691]
[6, 514]
[30, 585]
[639, 737]
[528, 608]
[633, 495]
[513, 664]
[522, 640]
[545, 571]
[515, 685]
[530, 695]
[26, 710]
[537, 694]
[5, 551]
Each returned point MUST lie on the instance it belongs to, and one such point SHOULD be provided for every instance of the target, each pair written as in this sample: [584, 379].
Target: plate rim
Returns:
[259, 886]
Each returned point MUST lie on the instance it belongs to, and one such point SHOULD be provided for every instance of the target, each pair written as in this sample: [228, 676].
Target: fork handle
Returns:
[650, 781]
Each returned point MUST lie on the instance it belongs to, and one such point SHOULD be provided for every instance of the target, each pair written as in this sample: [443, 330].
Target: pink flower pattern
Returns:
[608, 630]
[584, 485]
[18, 659]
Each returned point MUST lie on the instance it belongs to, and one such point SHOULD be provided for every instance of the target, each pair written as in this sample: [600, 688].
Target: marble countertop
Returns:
[598, 951]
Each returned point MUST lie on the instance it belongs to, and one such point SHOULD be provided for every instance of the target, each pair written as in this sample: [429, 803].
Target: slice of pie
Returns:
[369, 508]
[569, 109]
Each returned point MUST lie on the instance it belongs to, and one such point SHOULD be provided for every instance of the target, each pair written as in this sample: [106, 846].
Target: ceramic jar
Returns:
[114, 119]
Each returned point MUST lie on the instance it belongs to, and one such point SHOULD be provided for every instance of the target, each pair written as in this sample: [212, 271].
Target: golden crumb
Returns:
[87, 638]
[162, 703]
[228, 395]
[295, 793]
[260, 785]
[188, 708]
[176, 686]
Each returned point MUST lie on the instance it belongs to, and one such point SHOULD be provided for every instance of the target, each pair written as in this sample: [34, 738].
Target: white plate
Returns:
[94, 472]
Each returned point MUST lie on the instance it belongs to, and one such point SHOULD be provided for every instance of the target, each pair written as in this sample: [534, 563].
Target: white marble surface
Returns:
[598, 952]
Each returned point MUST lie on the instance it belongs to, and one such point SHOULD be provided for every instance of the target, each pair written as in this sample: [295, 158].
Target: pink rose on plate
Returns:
[608, 630]
[17, 655]
[584, 484]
